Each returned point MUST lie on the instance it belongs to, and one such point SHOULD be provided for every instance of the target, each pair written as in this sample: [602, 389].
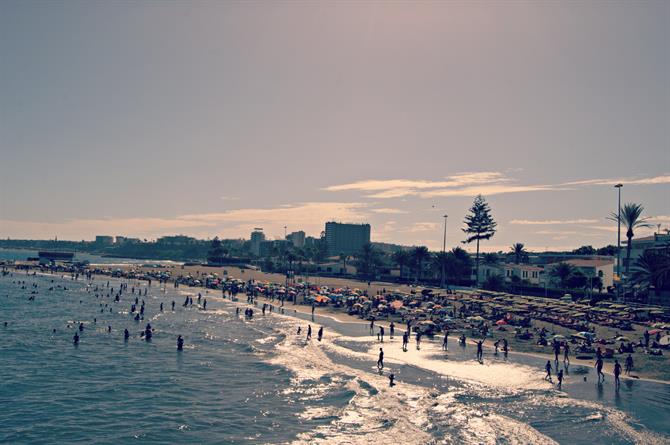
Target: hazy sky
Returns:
[211, 118]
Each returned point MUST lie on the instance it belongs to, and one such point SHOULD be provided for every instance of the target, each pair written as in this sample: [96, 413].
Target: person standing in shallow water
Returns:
[617, 373]
[599, 369]
[180, 343]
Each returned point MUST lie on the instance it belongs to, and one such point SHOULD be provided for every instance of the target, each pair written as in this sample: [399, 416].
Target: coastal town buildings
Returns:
[347, 239]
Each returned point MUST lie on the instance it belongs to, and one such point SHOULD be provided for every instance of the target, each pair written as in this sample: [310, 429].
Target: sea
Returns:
[256, 381]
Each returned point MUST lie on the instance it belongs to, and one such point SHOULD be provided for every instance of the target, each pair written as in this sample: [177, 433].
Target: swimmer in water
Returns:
[180, 343]
[126, 334]
[75, 339]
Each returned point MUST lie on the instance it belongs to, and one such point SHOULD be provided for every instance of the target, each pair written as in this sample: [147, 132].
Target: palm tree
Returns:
[419, 255]
[631, 218]
[652, 269]
[479, 225]
[402, 259]
[343, 258]
[368, 259]
[439, 264]
[519, 252]
[562, 272]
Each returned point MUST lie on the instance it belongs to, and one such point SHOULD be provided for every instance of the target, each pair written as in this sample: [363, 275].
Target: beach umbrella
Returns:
[322, 299]
[622, 338]
[501, 322]
[664, 341]
[654, 331]
[397, 304]
[558, 337]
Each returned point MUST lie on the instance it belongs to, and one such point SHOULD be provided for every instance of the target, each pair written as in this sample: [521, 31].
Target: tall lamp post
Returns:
[444, 250]
[618, 244]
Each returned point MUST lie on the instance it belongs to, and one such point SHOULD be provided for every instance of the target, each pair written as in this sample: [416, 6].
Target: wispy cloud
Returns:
[548, 222]
[653, 180]
[421, 227]
[487, 190]
[388, 211]
[474, 183]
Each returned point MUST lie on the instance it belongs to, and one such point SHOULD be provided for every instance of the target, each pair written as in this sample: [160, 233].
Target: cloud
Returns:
[654, 180]
[388, 211]
[527, 222]
[488, 190]
[308, 216]
[472, 184]
[422, 227]
[457, 180]
[397, 188]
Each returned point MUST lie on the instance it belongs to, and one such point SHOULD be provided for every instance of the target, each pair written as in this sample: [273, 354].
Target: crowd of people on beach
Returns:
[275, 302]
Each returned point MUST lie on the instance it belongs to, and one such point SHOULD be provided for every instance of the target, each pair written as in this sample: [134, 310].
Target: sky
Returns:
[211, 118]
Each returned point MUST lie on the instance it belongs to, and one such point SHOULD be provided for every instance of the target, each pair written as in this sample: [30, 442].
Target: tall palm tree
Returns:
[419, 255]
[519, 252]
[402, 259]
[631, 218]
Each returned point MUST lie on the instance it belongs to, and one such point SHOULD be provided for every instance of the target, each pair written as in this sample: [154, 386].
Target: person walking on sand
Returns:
[418, 340]
[381, 334]
[309, 332]
[566, 353]
[559, 376]
[380, 360]
[405, 341]
[547, 368]
[445, 340]
[480, 350]
[372, 326]
[391, 330]
[319, 334]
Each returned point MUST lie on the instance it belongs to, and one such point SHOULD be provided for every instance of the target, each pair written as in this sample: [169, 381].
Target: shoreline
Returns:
[340, 316]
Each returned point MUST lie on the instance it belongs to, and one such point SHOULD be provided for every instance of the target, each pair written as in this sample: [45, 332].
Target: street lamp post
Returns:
[618, 244]
[444, 251]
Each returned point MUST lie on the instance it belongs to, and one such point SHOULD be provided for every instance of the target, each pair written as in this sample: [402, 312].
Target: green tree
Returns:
[490, 258]
[631, 219]
[585, 250]
[479, 225]
[458, 266]
[343, 258]
[439, 262]
[652, 269]
[562, 273]
[494, 283]
[402, 259]
[368, 260]
[419, 256]
[519, 252]
[216, 252]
